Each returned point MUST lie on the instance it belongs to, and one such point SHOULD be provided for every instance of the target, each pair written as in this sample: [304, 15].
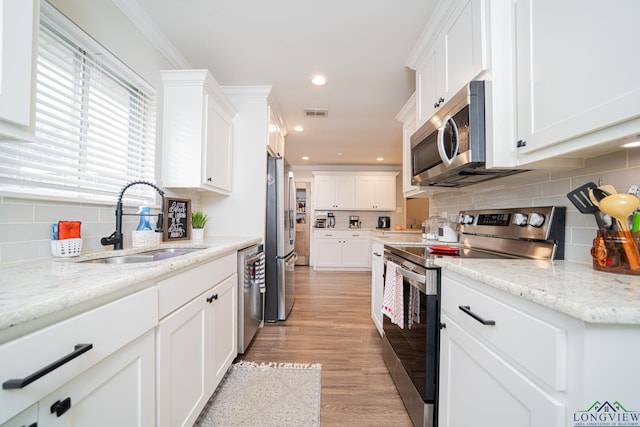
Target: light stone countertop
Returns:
[571, 288]
[35, 293]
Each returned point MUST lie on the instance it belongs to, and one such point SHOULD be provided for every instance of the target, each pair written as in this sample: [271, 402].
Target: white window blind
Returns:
[95, 123]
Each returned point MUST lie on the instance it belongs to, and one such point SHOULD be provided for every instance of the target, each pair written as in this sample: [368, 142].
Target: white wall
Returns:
[243, 212]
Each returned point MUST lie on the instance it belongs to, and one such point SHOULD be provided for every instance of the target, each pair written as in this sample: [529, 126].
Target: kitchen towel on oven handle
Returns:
[392, 299]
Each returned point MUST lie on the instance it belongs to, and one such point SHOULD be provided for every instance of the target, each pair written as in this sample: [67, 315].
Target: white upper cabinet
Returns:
[275, 144]
[197, 132]
[376, 192]
[575, 77]
[334, 191]
[372, 191]
[454, 53]
[18, 46]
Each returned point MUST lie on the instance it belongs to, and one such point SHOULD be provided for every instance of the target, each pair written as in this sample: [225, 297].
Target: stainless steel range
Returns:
[411, 352]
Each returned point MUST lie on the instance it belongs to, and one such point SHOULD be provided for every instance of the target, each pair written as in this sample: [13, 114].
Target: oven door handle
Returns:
[412, 276]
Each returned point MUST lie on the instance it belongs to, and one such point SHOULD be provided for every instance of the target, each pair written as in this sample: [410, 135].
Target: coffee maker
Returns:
[384, 222]
[354, 221]
[331, 220]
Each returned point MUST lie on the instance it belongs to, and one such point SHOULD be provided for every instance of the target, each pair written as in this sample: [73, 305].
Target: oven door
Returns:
[417, 346]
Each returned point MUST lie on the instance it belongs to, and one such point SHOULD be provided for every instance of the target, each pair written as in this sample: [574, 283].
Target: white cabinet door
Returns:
[19, 39]
[344, 192]
[572, 78]
[328, 252]
[356, 252]
[119, 391]
[224, 328]
[183, 360]
[464, 44]
[26, 418]
[377, 284]
[385, 195]
[428, 92]
[196, 345]
[476, 384]
[457, 55]
[375, 192]
[197, 132]
[334, 192]
[218, 149]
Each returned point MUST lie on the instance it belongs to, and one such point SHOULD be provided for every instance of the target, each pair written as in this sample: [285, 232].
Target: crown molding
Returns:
[150, 30]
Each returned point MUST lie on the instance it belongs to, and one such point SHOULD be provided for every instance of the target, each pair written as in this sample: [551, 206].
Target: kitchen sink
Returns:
[146, 256]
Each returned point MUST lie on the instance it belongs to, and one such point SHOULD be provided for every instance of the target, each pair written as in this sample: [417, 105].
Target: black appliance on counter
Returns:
[412, 353]
[384, 222]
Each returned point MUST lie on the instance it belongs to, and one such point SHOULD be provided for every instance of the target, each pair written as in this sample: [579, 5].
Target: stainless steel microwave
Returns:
[449, 150]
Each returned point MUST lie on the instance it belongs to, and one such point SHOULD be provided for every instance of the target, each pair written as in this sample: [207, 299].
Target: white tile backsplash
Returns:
[24, 223]
[536, 188]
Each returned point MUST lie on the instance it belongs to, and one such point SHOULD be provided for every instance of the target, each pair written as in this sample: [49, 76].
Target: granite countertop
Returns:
[32, 291]
[571, 288]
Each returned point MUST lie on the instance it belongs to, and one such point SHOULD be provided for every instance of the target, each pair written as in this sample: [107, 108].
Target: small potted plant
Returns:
[198, 221]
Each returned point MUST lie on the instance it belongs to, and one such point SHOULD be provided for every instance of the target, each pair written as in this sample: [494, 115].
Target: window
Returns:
[95, 123]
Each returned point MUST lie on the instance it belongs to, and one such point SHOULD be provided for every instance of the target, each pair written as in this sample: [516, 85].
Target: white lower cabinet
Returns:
[506, 361]
[477, 384]
[377, 284]
[104, 371]
[342, 250]
[117, 392]
[196, 345]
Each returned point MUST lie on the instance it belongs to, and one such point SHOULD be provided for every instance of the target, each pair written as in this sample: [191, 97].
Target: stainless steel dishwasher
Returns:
[251, 288]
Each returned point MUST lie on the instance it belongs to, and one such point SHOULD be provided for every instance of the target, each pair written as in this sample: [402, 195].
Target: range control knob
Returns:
[536, 219]
[520, 219]
[468, 219]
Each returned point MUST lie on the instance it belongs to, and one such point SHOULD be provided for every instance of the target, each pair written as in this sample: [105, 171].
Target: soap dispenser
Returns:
[145, 212]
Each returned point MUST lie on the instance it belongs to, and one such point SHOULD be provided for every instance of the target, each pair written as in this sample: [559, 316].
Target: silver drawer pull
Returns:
[467, 309]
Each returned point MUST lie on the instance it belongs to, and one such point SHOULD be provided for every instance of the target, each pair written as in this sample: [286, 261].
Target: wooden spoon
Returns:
[620, 206]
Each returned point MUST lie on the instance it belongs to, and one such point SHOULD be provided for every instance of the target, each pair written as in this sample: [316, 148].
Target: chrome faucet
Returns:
[115, 238]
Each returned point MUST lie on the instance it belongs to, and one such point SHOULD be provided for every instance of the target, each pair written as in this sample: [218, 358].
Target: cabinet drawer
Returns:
[327, 234]
[528, 341]
[177, 290]
[106, 328]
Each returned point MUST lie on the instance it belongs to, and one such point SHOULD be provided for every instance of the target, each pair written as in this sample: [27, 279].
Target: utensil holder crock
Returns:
[608, 251]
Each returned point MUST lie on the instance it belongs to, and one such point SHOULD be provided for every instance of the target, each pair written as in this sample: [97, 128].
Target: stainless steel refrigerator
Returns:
[280, 238]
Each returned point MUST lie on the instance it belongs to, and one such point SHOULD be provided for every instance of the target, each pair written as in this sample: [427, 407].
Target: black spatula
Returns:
[580, 199]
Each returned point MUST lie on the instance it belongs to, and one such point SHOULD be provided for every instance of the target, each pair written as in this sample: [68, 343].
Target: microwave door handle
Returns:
[443, 154]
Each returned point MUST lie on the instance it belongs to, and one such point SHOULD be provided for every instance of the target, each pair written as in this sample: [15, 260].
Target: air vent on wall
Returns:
[316, 112]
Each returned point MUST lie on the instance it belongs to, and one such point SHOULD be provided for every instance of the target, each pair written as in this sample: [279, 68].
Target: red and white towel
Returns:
[393, 297]
[392, 304]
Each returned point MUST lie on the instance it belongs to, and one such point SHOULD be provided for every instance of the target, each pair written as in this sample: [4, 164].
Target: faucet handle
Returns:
[160, 223]
[111, 240]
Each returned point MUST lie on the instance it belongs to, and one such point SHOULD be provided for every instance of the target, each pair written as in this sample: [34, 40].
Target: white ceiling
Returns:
[360, 45]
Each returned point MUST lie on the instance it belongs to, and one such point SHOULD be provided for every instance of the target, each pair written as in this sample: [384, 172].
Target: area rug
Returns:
[273, 394]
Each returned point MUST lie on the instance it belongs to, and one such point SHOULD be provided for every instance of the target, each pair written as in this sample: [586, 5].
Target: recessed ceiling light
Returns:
[380, 159]
[319, 80]
[298, 128]
[339, 154]
[305, 157]
[631, 142]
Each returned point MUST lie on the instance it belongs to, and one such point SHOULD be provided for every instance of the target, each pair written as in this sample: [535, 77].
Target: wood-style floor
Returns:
[330, 323]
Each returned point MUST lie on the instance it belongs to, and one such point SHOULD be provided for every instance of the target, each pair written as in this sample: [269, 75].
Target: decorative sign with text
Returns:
[177, 214]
